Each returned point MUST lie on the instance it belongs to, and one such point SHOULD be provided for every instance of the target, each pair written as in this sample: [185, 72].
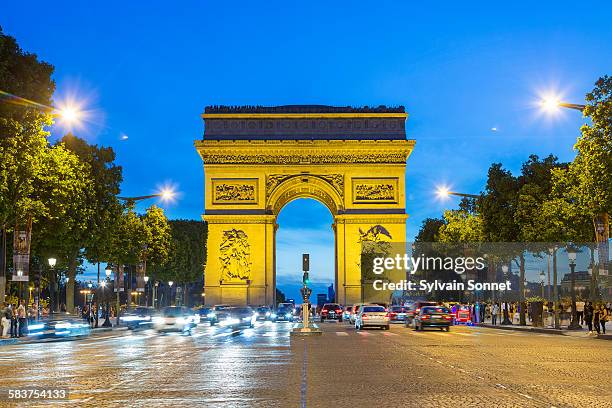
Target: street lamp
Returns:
[551, 104]
[146, 281]
[443, 192]
[542, 275]
[155, 301]
[506, 320]
[571, 255]
[165, 194]
[170, 283]
[107, 272]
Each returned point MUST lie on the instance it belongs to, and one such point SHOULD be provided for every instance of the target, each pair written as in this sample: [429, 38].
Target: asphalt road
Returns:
[265, 367]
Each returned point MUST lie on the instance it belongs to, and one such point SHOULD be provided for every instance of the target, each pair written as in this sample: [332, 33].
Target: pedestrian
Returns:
[14, 320]
[588, 316]
[603, 318]
[5, 320]
[494, 312]
[596, 316]
[23, 319]
[580, 312]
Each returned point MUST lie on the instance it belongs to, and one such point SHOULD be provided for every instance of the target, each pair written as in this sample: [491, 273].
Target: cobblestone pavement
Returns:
[265, 367]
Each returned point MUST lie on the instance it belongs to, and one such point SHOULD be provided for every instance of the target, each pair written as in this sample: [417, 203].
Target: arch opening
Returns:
[305, 225]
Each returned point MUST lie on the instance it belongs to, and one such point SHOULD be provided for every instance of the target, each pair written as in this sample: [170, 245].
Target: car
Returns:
[355, 311]
[263, 313]
[176, 318]
[284, 312]
[414, 308]
[346, 315]
[331, 311]
[433, 316]
[237, 317]
[372, 316]
[59, 329]
[208, 314]
[138, 318]
[397, 314]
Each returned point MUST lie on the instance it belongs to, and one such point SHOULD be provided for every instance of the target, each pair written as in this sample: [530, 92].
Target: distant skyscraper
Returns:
[321, 299]
[331, 293]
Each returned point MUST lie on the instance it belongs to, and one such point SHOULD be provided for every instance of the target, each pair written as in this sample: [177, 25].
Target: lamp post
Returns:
[542, 276]
[155, 289]
[506, 320]
[146, 281]
[170, 283]
[107, 322]
[571, 255]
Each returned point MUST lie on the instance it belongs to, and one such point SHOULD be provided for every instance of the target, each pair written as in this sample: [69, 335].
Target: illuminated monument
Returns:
[258, 159]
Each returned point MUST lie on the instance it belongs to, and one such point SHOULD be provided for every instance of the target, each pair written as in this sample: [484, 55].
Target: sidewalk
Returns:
[548, 328]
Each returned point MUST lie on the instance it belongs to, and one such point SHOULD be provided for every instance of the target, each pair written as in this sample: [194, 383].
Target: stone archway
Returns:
[256, 160]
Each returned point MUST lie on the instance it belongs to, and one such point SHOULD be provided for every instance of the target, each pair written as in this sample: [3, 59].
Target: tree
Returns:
[461, 226]
[187, 253]
[429, 230]
[22, 134]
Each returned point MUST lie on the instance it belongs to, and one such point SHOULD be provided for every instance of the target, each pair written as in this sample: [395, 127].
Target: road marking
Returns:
[499, 385]
[390, 334]
[341, 334]
[363, 333]
[525, 395]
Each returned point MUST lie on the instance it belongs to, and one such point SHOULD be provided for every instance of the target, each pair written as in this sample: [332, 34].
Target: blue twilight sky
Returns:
[147, 69]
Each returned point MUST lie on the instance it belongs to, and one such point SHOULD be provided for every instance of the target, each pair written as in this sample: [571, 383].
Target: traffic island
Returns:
[311, 330]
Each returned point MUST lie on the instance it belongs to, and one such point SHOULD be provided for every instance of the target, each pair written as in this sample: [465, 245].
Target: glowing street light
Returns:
[166, 194]
[551, 104]
[52, 262]
[443, 193]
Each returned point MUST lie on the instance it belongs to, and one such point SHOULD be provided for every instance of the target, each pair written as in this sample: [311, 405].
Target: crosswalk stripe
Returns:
[341, 334]
[390, 334]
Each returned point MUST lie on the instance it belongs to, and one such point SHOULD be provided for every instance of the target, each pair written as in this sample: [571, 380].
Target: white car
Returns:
[372, 315]
[176, 318]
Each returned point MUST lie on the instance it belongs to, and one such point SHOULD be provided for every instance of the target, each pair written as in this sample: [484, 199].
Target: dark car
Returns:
[59, 329]
[413, 309]
[331, 311]
[433, 316]
[138, 318]
[397, 314]
[284, 312]
[208, 314]
[236, 317]
[263, 313]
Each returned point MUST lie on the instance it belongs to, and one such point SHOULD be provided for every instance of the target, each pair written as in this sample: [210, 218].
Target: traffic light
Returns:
[305, 279]
[305, 262]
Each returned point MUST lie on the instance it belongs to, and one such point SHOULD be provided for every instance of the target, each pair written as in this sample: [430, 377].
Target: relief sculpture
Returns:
[234, 192]
[235, 256]
[375, 192]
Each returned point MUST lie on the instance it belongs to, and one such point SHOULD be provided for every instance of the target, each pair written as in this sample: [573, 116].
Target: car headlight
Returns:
[63, 325]
[211, 315]
[36, 326]
[247, 318]
[147, 317]
[180, 320]
[273, 315]
[267, 314]
[288, 315]
[158, 319]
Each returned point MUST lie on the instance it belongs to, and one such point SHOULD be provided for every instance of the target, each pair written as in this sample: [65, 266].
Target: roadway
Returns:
[265, 367]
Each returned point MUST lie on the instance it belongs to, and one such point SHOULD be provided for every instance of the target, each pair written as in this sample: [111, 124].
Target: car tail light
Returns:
[425, 317]
[392, 314]
[324, 311]
[363, 316]
[448, 317]
[338, 311]
[417, 311]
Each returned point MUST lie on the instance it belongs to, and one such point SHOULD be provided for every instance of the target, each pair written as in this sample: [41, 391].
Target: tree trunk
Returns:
[555, 291]
[2, 263]
[72, 265]
[594, 295]
[523, 321]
